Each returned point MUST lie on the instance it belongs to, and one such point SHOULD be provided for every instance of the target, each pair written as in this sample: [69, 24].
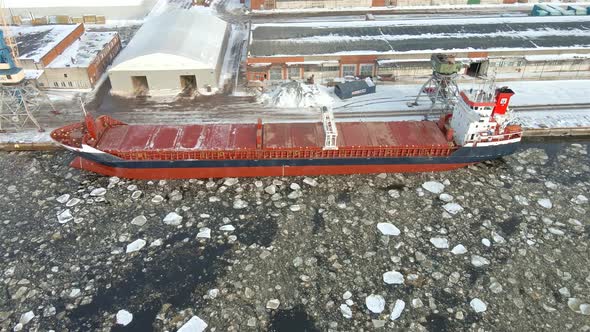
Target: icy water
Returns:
[498, 246]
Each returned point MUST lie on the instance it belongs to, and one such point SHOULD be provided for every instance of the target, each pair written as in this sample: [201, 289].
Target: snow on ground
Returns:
[296, 95]
[557, 119]
[26, 136]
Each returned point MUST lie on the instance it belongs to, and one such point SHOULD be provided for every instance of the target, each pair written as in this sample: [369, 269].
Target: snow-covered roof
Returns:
[83, 50]
[34, 42]
[176, 39]
[399, 37]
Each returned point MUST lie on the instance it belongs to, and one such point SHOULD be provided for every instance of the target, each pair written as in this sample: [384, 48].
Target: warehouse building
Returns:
[335, 4]
[65, 56]
[111, 9]
[517, 48]
[179, 50]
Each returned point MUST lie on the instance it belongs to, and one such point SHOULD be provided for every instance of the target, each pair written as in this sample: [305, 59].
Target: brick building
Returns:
[66, 56]
[517, 48]
[333, 4]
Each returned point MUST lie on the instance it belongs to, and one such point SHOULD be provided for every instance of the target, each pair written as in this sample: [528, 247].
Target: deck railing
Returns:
[303, 153]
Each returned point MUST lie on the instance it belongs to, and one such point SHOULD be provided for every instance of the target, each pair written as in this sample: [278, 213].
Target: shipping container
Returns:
[17, 20]
[77, 19]
[101, 19]
[563, 11]
[354, 88]
[90, 19]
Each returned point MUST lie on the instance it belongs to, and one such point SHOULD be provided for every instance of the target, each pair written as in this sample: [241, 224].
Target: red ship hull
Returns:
[220, 172]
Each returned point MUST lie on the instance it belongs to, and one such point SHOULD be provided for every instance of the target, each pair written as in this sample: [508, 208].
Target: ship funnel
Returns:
[503, 96]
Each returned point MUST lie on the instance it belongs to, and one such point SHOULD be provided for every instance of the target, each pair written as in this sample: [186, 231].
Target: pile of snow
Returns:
[296, 95]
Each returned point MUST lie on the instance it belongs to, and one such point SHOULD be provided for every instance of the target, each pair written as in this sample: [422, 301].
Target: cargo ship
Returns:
[477, 129]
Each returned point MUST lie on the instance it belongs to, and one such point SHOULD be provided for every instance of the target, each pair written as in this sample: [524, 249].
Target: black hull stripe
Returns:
[461, 156]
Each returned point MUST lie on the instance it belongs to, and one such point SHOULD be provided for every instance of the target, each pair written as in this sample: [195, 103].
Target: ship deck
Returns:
[208, 137]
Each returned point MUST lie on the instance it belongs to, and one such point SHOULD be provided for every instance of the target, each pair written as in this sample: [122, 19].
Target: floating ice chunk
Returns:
[136, 194]
[240, 204]
[550, 185]
[230, 182]
[271, 189]
[375, 303]
[295, 207]
[346, 311]
[545, 202]
[73, 201]
[479, 261]
[310, 182]
[478, 305]
[388, 229]
[393, 277]
[273, 304]
[114, 180]
[212, 293]
[440, 242]
[453, 208]
[157, 199]
[434, 187]
[580, 199]
[75, 292]
[156, 243]
[63, 198]
[98, 192]
[486, 242]
[347, 295]
[124, 317]
[195, 324]
[397, 309]
[556, 231]
[26, 317]
[64, 216]
[204, 233]
[139, 221]
[227, 228]
[173, 219]
[135, 246]
[295, 186]
[445, 197]
[498, 238]
[521, 200]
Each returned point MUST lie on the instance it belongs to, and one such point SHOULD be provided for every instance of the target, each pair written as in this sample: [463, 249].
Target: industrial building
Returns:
[178, 50]
[110, 9]
[517, 48]
[334, 4]
[65, 56]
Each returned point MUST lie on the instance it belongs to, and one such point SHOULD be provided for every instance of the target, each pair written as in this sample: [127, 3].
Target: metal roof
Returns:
[176, 39]
[385, 37]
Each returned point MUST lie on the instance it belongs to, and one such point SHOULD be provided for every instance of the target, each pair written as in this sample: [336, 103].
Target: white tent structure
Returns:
[177, 50]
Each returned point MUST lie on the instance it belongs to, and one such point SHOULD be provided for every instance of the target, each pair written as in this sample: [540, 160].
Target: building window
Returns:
[330, 68]
[294, 72]
[66, 75]
[276, 73]
[70, 84]
[56, 84]
[63, 84]
[8, 77]
[366, 70]
[348, 70]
